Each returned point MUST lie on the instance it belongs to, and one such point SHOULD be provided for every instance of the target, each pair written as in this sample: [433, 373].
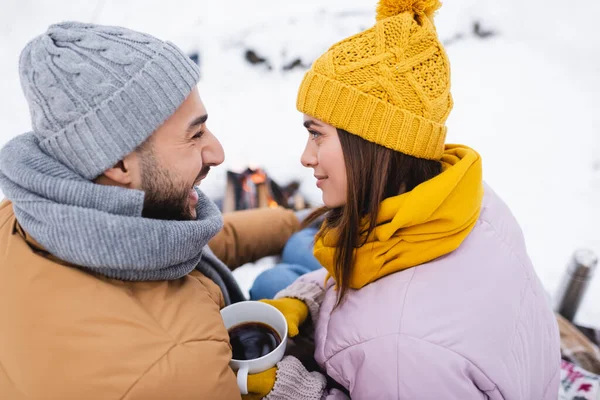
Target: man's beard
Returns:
[165, 198]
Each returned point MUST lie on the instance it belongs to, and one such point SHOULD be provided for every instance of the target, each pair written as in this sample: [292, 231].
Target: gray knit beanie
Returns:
[96, 93]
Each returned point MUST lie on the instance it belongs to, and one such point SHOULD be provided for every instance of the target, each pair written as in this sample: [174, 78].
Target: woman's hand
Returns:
[295, 312]
[261, 384]
[289, 380]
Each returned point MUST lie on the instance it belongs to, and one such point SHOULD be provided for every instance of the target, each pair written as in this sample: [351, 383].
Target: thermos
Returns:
[575, 283]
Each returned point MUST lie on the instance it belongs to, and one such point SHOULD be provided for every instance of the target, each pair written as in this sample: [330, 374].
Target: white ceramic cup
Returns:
[255, 311]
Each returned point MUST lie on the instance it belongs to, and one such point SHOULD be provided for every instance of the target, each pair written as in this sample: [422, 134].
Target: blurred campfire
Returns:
[253, 188]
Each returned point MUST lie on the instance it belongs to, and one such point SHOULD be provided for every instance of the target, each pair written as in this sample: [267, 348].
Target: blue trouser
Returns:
[297, 259]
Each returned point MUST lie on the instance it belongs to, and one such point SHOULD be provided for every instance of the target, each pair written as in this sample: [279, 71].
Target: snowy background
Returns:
[526, 95]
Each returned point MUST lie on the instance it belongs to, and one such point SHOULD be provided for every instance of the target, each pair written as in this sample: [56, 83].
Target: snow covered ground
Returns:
[526, 98]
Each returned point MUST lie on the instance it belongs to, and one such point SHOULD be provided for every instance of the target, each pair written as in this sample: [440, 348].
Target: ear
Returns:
[123, 173]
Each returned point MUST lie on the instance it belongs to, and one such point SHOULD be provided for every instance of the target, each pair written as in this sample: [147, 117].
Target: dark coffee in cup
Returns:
[251, 340]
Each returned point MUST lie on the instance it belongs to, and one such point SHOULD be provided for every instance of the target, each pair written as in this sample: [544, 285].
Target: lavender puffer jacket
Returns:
[474, 324]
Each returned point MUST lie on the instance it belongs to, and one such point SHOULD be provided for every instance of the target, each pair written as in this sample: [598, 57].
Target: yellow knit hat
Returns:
[389, 84]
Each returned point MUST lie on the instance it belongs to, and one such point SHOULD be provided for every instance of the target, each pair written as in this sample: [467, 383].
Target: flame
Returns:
[253, 179]
[258, 177]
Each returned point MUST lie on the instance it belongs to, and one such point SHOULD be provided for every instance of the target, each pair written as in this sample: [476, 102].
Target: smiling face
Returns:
[323, 153]
[175, 159]
[170, 163]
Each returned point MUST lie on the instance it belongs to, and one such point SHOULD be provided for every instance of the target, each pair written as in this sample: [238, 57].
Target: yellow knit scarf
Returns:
[418, 226]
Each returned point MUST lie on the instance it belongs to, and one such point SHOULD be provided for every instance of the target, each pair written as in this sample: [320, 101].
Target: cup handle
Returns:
[242, 379]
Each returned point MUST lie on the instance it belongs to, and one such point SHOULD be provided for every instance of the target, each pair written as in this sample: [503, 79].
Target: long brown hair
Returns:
[374, 173]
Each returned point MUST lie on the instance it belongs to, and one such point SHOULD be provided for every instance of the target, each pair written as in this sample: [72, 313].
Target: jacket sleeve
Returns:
[402, 367]
[192, 370]
[315, 277]
[252, 234]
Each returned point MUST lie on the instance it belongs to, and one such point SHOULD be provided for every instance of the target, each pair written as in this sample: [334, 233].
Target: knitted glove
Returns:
[309, 292]
[289, 380]
[295, 312]
[259, 385]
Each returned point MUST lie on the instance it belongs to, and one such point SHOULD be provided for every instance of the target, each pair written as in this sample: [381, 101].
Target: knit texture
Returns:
[389, 85]
[295, 382]
[415, 227]
[294, 311]
[100, 228]
[309, 292]
[95, 93]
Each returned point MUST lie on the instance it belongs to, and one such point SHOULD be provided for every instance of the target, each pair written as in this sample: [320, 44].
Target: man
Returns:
[108, 287]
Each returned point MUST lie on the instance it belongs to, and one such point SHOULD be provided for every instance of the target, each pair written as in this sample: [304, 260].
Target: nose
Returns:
[309, 155]
[213, 153]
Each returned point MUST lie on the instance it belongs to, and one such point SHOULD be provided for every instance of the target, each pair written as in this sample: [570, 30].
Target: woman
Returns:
[428, 291]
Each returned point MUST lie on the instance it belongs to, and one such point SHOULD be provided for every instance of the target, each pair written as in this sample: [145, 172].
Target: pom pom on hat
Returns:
[391, 8]
[389, 85]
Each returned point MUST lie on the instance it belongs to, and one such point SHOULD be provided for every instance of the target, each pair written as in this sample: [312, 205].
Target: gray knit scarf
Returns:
[100, 228]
